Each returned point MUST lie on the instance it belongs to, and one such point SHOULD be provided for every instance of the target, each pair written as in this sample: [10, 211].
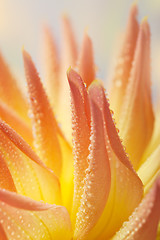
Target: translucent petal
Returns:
[51, 64]
[143, 222]
[98, 179]
[126, 187]
[124, 63]
[30, 175]
[6, 180]
[10, 92]
[23, 218]
[12, 118]
[86, 61]
[44, 123]
[155, 139]
[136, 121]
[150, 169]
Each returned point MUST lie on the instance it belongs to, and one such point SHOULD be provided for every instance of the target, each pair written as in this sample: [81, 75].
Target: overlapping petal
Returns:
[143, 223]
[23, 218]
[6, 180]
[150, 169]
[126, 187]
[124, 63]
[12, 118]
[97, 180]
[137, 119]
[81, 135]
[30, 175]
[10, 92]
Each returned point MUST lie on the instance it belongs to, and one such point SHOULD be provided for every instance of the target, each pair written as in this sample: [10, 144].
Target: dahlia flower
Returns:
[103, 185]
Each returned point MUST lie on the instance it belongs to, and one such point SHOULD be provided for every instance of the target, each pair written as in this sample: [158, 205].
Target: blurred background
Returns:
[21, 24]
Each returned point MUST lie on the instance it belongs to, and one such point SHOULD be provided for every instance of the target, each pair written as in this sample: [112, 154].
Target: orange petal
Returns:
[86, 62]
[30, 175]
[124, 64]
[6, 180]
[143, 222]
[23, 218]
[44, 123]
[12, 118]
[98, 179]
[10, 92]
[126, 187]
[51, 63]
[136, 122]
[81, 134]
[3, 234]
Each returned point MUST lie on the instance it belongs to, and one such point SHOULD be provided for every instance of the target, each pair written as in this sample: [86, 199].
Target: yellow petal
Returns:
[137, 119]
[98, 179]
[10, 92]
[44, 123]
[23, 218]
[143, 222]
[13, 119]
[6, 180]
[51, 63]
[86, 61]
[30, 175]
[126, 187]
[124, 63]
[155, 140]
[150, 169]
[81, 134]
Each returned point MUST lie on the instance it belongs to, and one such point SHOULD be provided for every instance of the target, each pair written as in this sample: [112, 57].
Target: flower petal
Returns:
[51, 63]
[86, 62]
[23, 218]
[150, 169]
[6, 180]
[126, 187]
[97, 181]
[12, 118]
[154, 142]
[136, 122]
[10, 92]
[124, 64]
[30, 175]
[44, 123]
[144, 220]
[81, 134]
[3, 234]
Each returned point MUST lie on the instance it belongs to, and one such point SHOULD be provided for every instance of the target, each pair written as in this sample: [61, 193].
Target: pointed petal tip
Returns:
[96, 82]
[134, 8]
[144, 23]
[26, 56]
[69, 71]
